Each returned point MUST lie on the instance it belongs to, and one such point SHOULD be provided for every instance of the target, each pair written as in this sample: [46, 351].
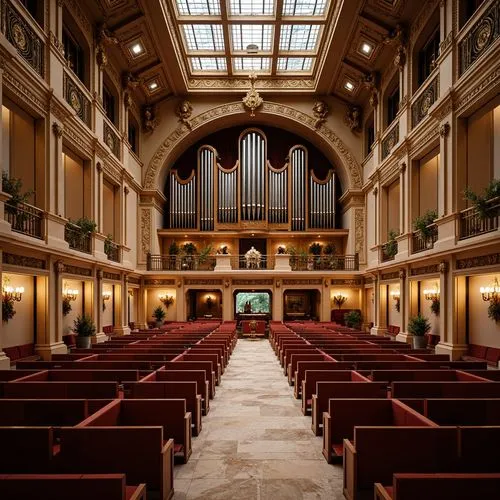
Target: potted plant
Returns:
[84, 328]
[481, 202]
[188, 249]
[13, 187]
[391, 247]
[435, 306]
[423, 222]
[418, 326]
[315, 248]
[494, 310]
[159, 315]
[108, 244]
[353, 319]
[329, 249]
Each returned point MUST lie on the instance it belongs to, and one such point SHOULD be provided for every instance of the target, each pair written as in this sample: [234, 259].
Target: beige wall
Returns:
[394, 316]
[496, 142]
[108, 196]
[425, 305]
[153, 301]
[20, 329]
[5, 139]
[393, 207]
[482, 330]
[428, 183]
[107, 314]
[76, 305]
[352, 294]
[74, 183]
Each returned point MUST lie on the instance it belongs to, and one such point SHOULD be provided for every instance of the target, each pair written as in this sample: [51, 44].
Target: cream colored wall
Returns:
[482, 330]
[394, 316]
[107, 314]
[496, 142]
[393, 207]
[130, 238]
[428, 184]
[425, 305]
[76, 305]
[5, 157]
[352, 302]
[133, 305]
[153, 301]
[370, 305]
[20, 329]
[74, 182]
[108, 197]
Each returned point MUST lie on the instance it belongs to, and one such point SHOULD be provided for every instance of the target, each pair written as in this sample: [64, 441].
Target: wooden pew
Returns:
[206, 366]
[471, 412]
[213, 358]
[451, 486]
[345, 414]
[304, 366]
[139, 452]
[327, 390]
[291, 368]
[60, 390]
[479, 448]
[65, 486]
[378, 452]
[422, 375]
[172, 390]
[445, 389]
[327, 374]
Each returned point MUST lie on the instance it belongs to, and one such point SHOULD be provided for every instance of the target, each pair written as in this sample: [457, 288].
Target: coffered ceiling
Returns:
[293, 46]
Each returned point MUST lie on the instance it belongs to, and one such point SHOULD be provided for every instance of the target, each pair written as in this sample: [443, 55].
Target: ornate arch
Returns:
[348, 163]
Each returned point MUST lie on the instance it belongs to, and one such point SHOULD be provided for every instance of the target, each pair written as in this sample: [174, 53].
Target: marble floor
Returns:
[255, 442]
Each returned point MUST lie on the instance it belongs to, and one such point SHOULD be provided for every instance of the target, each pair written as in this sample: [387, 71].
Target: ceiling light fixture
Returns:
[366, 48]
[349, 86]
[252, 48]
[153, 85]
[137, 48]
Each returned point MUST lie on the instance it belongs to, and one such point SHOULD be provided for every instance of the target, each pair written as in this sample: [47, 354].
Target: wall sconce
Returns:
[210, 302]
[13, 294]
[490, 293]
[70, 294]
[432, 294]
[166, 300]
[106, 295]
[339, 299]
[396, 296]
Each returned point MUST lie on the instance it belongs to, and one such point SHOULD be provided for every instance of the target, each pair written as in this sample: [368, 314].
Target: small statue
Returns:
[396, 36]
[130, 81]
[247, 309]
[320, 112]
[105, 36]
[353, 118]
[370, 81]
[150, 119]
[184, 111]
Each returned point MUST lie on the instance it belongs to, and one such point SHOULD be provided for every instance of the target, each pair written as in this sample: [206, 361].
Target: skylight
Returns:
[204, 36]
[198, 7]
[243, 35]
[236, 36]
[208, 63]
[251, 7]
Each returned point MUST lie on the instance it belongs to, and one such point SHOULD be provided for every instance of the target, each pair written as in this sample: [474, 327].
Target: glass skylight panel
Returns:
[208, 63]
[251, 7]
[198, 7]
[295, 63]
[298, 37]
[243, 35]
[304, 7]
[203, 36]
[252, 63]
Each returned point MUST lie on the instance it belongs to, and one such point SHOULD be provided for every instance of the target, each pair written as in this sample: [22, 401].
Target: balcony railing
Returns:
[422, 242]
[76, 239]
[324, 262]
[472, 224]
[385, 254]
[112, 250]
[179, 263]
[25, 219]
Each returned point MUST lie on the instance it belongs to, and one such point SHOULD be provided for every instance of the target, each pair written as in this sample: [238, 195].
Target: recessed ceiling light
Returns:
[153, 85]
[252, 48]
[366, 48]
[349, 86]
[137, 48]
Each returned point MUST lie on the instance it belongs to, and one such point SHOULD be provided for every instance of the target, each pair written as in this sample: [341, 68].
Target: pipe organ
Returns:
[252, 193]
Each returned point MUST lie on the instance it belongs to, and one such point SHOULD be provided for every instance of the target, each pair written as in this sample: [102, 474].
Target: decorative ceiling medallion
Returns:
[252, 100]
[483, 35]
[19, 36]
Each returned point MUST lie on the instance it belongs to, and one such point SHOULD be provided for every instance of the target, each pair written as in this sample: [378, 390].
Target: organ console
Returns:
[253, 193]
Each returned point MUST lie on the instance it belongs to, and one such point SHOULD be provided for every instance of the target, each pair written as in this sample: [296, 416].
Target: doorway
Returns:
[301, 305]
[204, 304]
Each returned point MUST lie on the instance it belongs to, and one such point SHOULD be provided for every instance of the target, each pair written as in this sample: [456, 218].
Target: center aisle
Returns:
[255, 442]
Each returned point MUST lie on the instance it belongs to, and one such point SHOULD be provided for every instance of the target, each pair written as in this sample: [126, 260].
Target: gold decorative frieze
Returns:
[76, 99]
[134, 281]
[481, 36]
[206, 282]
[430, 269]
[492, 259]
[390, 276]
[390, 140]
[111, 139]
[111, 276]
[263, 281]
[22, 36]
[298, 281]
[346, 282]
[155, 282]
[23, 261]
[420, 107]
[79, 271]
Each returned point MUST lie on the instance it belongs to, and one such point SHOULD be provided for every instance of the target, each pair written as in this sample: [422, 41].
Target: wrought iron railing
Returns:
[244, 262]
[77, 239]
[324, 262]
[386, 251]
[472, 223]
[421, 242]
[180, 263]
[112, 250]
[25, 219]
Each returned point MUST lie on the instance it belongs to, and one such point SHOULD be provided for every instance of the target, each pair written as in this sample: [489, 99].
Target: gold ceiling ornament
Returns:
[320, 112]
[252, 100]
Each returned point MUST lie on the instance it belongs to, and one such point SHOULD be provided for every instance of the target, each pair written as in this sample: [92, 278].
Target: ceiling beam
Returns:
[227, 41]
[277, 31]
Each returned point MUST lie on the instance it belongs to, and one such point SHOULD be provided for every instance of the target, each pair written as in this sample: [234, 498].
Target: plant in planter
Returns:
[353, 319]
[81, 229]
[391, 247]
[315, 248]
[423, 222]
[66, 306]
[329, 249]
[84, 328]
[480, 202]
[173, 248]
[494, 309]
[108, 244]
[13, 187]
[205, 253]
[8, 310]
[159, 315]
[435, 306]
[189, 248]
[418, 326]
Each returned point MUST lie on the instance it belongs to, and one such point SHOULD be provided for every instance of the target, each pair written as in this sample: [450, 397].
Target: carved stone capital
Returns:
[375, 191]
[127, 100]
[443, 267]
[57, 129]
[402, 168]
[99, 274]
[59, 266]
[444, 129]
[99, 167]
[402, 274]
[179, 283]
[126, 190]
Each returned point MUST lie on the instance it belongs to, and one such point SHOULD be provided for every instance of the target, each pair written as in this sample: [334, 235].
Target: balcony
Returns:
[77, 239]
[266, 262]
[388, 251]
[472, 223]
[112, 250]
[421, 242]
[25, 219]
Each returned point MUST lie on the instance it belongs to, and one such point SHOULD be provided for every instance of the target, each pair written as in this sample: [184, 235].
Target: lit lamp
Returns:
[210, 302]
[70, 294]
[11, 293]
[396, 296]
[166, 300]
[339, 299]
[432, 294]
[490, 293]
[106, 295]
